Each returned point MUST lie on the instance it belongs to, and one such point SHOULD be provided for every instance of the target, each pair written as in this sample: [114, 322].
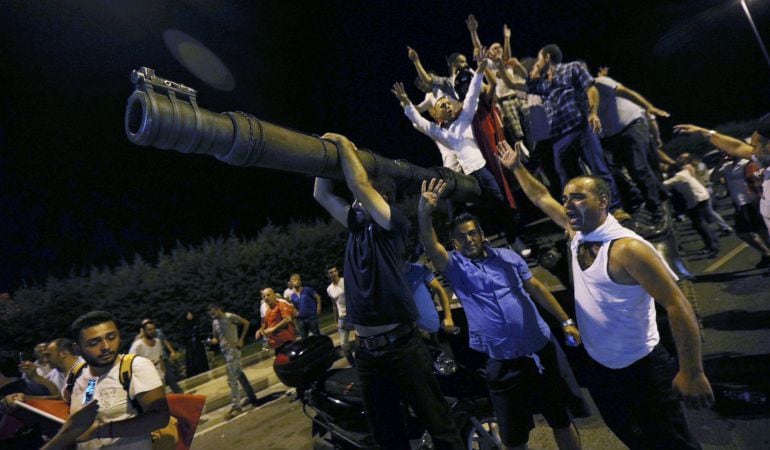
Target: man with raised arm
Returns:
[758, 150]
[617, 274]
[496, 289]
[392, 361]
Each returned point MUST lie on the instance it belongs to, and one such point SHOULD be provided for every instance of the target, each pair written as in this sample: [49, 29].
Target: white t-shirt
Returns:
[691, 189]
[337, 293]
[735, 176]
[115, 403]
[152, 352]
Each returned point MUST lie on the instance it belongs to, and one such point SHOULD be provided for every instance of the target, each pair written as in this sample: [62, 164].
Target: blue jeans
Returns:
[592, 154]
[404, 370]
[233, 365]
[308, 325]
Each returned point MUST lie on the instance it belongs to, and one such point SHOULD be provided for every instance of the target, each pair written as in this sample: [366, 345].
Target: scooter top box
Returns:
[302, 362]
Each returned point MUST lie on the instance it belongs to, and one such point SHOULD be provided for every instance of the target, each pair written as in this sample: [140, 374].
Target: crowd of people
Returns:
[527, 129]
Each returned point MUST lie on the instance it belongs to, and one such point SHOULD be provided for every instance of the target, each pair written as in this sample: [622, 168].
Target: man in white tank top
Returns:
[617, 274]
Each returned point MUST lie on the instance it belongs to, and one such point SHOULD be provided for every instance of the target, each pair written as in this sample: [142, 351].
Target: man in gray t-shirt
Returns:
[224, 326]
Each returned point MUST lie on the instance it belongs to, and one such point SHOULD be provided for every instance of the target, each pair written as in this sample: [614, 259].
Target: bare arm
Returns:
[508, 78]
[646, 268]
[444, 299]
[593, 109]
[473, 29]
[547, 301]
[169, 347]
[421, 72]
[318, 303]
[728, 144]
[430, 194]
[535, 191]
[637, 98]
[358, 180]
[506, 43]
[30, 369]
[334, 205]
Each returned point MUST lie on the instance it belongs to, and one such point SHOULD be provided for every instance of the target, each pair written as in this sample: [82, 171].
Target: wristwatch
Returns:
[710, 133]
[568, 322]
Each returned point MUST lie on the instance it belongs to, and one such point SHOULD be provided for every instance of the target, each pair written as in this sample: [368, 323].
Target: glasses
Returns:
[90, 390]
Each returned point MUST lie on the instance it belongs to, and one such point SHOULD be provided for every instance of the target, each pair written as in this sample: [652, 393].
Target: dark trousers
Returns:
[246, 386]
[493, 209]
[403, 370]
[308, 325]
[639, 405]
[697, 216]
[170, 378]
[590, 152]
[629, 149]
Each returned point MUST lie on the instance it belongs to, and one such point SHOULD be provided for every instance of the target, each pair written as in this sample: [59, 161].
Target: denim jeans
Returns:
[233, 365]
[403, 370]
[308, 325]
[639, 405]
[697, 216]
[592, 154]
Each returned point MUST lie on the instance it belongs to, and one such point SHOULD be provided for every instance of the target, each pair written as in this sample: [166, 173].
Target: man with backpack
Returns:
[116, 401]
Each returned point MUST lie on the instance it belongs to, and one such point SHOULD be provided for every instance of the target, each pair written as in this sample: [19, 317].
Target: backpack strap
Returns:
[77, 369]
[126, 370]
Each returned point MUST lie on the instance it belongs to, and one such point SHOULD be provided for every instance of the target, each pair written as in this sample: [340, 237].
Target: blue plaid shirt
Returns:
[564, 97]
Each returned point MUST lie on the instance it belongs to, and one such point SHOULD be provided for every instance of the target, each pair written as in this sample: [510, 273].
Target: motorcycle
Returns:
[332, 399]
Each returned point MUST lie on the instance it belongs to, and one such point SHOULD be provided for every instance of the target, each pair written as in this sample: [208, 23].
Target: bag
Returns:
[165, 438]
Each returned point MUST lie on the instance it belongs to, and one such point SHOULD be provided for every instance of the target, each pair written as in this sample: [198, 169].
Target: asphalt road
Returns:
[734, 303]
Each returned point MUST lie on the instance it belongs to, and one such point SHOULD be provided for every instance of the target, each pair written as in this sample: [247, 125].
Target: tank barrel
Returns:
[165, 114]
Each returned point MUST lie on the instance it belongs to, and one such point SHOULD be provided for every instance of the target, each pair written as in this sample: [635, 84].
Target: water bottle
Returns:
[750, 397]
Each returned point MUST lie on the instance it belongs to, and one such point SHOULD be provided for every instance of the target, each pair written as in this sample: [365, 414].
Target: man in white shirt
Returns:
[149, 346]
[102, 413]
[696, 197]
[336, 291]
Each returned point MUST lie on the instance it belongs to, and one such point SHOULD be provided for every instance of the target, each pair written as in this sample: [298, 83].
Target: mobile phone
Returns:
[90, 390]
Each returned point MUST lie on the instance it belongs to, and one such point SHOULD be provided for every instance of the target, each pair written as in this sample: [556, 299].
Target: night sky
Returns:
[75, 193]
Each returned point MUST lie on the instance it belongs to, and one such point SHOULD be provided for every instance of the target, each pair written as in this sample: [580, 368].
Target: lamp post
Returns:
[756, 32]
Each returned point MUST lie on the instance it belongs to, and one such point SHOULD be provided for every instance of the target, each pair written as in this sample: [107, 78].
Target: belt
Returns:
[379, 341]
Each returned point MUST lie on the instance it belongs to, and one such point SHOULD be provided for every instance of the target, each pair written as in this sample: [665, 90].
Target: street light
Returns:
[756, 33]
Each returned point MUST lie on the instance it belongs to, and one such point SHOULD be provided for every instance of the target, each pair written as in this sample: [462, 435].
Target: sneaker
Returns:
[621, 215]
[232, 413]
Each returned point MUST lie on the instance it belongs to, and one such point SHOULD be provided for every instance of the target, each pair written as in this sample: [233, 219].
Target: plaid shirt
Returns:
[564, 97]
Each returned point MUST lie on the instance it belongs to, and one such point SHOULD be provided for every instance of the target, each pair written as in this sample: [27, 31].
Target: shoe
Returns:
[764, 262]
[232, 413]
[621, 215]
[712, 254]
[726, 232]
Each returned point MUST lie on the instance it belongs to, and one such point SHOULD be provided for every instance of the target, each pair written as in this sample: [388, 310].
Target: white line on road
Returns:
[730, 255]
[244, 414]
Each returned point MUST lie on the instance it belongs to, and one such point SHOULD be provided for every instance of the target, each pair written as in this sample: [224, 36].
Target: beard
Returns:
[99, 361]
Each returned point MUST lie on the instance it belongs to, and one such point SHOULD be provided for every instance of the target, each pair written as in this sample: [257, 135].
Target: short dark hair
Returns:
[63, 345]
[451, 58]
[385, 186]
[214, 305]
[601, 187]
[146, 322]
[89, 320]
[554, 51]
[9, 367]
[465, 217]
[331, 266]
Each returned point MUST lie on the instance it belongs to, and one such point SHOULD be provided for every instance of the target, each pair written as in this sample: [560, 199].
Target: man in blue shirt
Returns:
[496, 289]
[308, 304]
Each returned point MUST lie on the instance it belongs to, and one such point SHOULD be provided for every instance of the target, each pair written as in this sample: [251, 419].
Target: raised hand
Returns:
[506, 31]
[481, 59]
[509, 157]
[400, 93]
[471, 22]
[430, 193]
[413, 56]
[687, 128]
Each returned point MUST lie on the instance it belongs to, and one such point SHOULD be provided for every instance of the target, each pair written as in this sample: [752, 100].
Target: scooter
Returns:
[331, 398]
